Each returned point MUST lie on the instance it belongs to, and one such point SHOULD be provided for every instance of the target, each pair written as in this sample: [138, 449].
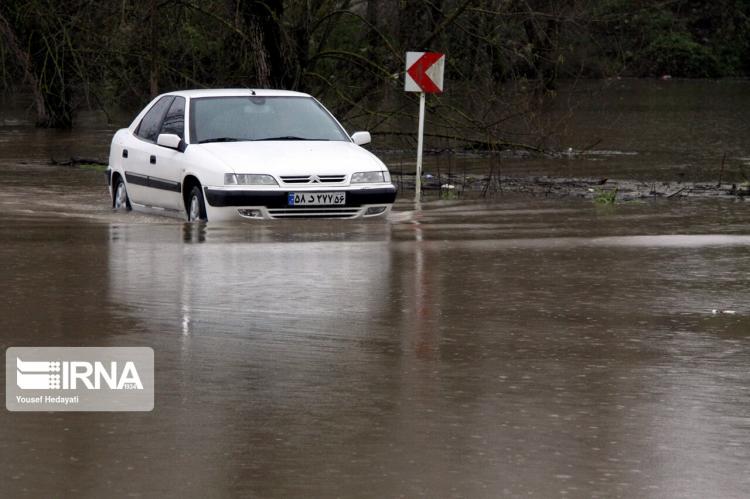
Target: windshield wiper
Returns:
[288, 137]
[220, 139]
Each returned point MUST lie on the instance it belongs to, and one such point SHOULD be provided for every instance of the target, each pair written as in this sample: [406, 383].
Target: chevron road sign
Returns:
[424, 74]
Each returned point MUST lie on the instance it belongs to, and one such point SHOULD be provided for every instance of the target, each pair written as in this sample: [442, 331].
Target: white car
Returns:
[260, 154]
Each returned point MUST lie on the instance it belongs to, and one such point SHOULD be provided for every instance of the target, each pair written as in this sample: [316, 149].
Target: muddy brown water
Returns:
[516, 347]
[645, 130]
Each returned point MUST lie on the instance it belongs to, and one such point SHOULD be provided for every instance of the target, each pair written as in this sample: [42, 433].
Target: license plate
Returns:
[316, 199]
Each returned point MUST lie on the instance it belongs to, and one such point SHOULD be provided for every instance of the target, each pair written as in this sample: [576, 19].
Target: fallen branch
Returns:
[676, 193]
[721, 172]
[75, 161]
[483, 144]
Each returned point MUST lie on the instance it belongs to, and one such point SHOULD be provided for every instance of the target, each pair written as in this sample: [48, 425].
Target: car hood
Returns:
[294, 157]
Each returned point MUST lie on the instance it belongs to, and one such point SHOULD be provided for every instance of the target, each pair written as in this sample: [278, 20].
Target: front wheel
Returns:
[196, 208]
[120, 198]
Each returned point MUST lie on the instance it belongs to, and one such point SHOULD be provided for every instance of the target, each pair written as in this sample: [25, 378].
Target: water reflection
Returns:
[522, 347]
[254, 279]
[468, 350]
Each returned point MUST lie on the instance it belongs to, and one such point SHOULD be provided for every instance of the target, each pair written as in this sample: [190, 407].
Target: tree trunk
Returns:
[11, 41]
[153, 73]
[261, 20]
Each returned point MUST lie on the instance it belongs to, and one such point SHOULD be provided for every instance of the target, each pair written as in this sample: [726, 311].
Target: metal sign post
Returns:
[424, 74]
[420, 140]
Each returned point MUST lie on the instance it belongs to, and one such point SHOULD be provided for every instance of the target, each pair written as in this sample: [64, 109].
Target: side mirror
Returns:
[171, 141]
[361, 138]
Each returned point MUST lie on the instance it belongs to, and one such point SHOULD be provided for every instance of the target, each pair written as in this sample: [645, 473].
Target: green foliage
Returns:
[676, 55]
[93, 167]
[684, 38]
[449, 193]
[605, 196]
[350, 54]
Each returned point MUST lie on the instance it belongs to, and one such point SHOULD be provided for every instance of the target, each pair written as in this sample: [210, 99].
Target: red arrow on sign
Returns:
[418, 72]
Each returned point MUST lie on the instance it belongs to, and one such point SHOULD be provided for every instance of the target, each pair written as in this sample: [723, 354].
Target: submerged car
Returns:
[259, 154]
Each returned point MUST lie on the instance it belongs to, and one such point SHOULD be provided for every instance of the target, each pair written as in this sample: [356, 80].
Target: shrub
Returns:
[676, 54]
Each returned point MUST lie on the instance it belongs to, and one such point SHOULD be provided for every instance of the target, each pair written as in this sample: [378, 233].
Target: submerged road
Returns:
[517, 348]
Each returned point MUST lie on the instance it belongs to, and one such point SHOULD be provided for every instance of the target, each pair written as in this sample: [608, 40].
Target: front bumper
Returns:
[278, 199]
[223, 203]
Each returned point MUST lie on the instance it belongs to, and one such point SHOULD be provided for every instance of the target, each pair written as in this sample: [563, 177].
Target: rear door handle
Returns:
[153, 159]
[124, 153]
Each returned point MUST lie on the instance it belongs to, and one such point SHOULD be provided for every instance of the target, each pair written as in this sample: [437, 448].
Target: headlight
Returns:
[248, 179]
[370, 177]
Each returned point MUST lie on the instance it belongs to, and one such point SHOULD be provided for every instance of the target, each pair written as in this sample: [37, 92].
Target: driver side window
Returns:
[151, 123]
[174, 121]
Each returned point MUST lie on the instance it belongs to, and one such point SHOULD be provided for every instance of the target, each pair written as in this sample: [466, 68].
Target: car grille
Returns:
[313, 179]
[322, 212]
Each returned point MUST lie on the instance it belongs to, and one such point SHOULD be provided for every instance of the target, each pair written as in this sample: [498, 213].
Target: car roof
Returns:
[237, 92]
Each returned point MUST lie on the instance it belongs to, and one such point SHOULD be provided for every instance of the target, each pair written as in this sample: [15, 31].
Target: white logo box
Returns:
[79, 379]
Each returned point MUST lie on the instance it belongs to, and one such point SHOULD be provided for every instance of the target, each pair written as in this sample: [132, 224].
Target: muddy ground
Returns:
[598, 189]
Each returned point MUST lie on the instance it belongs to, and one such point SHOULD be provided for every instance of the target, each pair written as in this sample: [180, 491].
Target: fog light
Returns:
[375, 210]
[250, 213]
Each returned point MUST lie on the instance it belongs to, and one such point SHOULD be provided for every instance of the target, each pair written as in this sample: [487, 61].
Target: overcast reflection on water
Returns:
[471, 350]
[519, 346]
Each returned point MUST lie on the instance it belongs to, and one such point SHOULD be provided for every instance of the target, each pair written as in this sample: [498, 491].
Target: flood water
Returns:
[513, 347]
[675, 130]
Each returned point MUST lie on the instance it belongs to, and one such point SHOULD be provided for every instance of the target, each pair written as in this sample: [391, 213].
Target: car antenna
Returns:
[252, 92]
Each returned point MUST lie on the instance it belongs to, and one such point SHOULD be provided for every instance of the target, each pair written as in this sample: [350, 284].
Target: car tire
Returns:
[120, 199]
[196, 205]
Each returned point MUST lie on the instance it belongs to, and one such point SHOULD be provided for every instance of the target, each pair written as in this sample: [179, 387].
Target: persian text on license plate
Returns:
[316, 199]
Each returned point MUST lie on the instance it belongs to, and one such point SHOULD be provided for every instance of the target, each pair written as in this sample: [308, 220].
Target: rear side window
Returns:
[174, 121]
[151, 123]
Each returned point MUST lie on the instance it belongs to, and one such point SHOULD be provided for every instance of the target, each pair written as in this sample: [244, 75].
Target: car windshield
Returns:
[230, 119]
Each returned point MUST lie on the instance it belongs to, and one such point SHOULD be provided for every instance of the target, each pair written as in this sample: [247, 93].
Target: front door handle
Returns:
[153, 159]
